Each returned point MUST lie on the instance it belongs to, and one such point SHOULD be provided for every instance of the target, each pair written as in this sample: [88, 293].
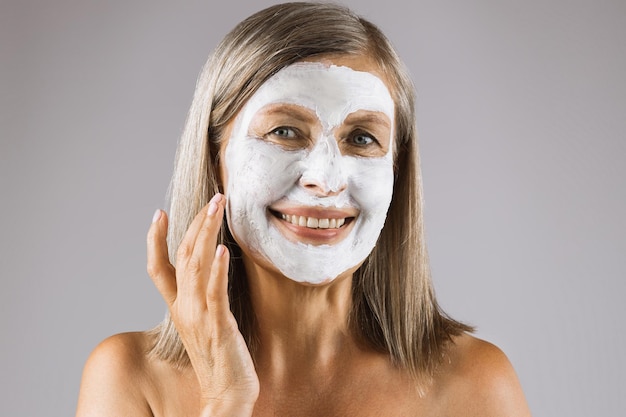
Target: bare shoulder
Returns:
[480, 381]
[114, 377]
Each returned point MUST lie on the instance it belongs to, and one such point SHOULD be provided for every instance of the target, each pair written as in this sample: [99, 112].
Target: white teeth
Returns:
[312, 222]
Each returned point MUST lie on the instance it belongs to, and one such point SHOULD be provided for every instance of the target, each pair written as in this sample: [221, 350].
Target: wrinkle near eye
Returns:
[284, 132]
[361, 142]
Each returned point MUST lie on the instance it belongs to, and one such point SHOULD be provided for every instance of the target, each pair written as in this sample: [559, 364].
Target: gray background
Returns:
[522, 122]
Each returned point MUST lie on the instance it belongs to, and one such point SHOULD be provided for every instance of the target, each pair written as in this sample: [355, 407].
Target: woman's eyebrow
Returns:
[370, 118]
[288, 110]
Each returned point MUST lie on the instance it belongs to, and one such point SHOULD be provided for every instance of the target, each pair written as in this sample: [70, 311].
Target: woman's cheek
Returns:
[264, 172]
[371, 182]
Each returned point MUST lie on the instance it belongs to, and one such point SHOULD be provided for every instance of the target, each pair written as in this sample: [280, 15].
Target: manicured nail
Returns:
[219, 251]
[157, 215]
[213, 202]
[216, 198]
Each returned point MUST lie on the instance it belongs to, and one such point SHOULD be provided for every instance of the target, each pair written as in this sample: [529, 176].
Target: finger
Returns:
[197, 268]
[159, 267]
[217, 287]
[206, 240]
[186, 246]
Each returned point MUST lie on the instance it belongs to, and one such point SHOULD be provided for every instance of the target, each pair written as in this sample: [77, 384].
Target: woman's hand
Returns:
[196, 292]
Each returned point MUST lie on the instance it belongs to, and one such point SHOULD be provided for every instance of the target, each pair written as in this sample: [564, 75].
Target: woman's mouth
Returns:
[315, 227]
[313, 222]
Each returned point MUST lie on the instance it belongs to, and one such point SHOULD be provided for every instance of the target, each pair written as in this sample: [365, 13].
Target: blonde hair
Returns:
[394, 307]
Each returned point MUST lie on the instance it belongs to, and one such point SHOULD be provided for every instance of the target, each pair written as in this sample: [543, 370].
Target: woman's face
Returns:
[308, 168]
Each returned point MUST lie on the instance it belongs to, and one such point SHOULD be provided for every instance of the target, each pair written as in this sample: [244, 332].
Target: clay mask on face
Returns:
[313, 202]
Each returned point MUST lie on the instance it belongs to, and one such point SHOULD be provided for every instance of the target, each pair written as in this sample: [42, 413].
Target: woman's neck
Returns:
[302, 329]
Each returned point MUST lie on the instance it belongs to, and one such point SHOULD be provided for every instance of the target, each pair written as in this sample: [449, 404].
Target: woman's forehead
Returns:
[333, 92]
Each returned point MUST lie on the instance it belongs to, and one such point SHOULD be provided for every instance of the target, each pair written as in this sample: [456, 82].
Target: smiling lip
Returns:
[314, 225]
[313, 222]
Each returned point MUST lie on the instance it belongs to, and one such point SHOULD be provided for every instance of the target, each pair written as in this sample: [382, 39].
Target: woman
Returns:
[313, 296]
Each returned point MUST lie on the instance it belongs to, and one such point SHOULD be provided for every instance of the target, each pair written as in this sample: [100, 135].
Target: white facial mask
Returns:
[262, 174]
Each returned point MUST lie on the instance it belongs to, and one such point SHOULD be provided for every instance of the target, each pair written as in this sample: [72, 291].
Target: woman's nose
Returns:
[323, 174]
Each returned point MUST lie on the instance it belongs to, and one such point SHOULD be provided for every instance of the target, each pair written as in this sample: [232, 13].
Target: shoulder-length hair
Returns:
[393, 304]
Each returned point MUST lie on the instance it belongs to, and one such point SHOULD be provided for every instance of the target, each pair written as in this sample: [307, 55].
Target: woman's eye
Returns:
[289, 138]
[362, 139]
[284, 132]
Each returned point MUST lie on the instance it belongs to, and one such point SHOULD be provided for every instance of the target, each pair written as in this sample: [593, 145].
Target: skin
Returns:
[308, 363]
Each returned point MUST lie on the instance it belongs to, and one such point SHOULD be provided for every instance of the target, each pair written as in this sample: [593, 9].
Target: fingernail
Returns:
[157, 215]
[212, 209]
[216, 198]
[219, 251]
